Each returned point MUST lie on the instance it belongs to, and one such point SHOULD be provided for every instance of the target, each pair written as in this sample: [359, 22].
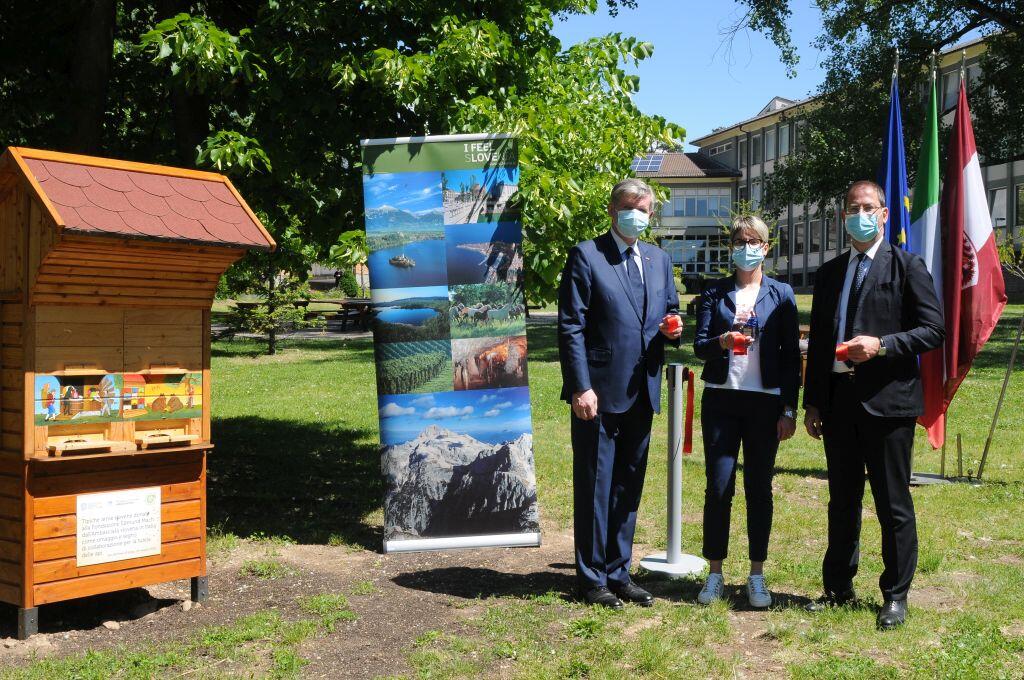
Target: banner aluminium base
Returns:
[527, 540]
[687, 565]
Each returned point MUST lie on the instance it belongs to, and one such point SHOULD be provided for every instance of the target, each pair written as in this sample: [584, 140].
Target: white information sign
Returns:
[119, 525]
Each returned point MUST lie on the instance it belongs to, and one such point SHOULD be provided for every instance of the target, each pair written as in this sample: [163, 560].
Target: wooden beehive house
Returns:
[107, 273]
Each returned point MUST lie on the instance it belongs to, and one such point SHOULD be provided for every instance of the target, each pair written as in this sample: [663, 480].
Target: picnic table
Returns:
[359, 310]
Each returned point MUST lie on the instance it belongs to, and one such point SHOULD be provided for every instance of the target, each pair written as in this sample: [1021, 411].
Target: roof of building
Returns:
[680, 164]
[94, 195]
[778, 104]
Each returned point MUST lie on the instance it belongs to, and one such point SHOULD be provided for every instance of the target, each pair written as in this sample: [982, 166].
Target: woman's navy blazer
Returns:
[778, 343]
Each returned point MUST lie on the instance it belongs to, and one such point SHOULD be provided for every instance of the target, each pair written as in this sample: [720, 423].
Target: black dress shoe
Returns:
[832, 600]
[892, 615]
[603, 597]
[635, 594]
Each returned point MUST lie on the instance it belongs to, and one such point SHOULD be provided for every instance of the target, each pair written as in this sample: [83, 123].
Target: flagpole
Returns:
[1002, 393]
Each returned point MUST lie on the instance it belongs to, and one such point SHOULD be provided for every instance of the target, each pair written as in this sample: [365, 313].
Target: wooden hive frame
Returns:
[75, 306]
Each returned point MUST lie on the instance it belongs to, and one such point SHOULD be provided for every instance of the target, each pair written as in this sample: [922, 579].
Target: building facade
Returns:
[731, 165]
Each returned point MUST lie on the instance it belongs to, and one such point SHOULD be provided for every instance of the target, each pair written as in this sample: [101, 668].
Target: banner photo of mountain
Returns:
[458, 463]
[446, 276]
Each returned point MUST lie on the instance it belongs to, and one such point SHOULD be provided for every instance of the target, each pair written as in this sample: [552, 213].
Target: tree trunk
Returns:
[90, 75]
[271, 308]
[190, 111]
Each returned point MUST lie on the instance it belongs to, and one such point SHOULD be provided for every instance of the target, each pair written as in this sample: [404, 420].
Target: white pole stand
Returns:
[673, 562]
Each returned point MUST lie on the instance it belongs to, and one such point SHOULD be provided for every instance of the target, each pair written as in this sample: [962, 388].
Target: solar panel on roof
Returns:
[648, 163]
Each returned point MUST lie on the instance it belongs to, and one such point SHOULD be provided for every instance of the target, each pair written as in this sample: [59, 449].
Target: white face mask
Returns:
[632, 223]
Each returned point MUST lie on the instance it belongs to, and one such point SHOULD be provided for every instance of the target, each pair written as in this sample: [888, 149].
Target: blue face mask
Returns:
[632, 223]
[862, 227]
[748, 257]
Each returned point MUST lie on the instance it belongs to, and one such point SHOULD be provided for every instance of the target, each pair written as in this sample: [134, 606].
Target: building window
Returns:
[741, 160]
[798, 239]
[755, 193]
[1018, 220]
[830, 223]
[784, 239]
[704, 202]
[997, 203]
[799, 141]
[721, 148]
[814, 226]
[699, 254]
[756, 142]
[769, 145]
[784, 140]
[950, 89]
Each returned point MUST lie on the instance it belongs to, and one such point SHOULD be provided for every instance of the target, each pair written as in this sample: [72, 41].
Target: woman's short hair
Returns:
[749, 223]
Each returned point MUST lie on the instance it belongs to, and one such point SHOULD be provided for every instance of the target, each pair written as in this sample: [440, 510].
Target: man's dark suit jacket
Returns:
[606, 342]
[897, 304]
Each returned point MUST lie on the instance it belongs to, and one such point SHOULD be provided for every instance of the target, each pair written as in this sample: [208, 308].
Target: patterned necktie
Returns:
[853, 302]
[636, 283]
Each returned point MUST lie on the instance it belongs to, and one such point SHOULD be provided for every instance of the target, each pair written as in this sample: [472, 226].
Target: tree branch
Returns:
[1007, 20]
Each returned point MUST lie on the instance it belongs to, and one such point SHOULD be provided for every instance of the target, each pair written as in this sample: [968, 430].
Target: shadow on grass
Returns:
[479, 583]
[251, 348]
[311, 483]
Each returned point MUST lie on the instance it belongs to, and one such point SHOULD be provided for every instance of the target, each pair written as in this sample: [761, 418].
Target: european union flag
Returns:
[892, 173]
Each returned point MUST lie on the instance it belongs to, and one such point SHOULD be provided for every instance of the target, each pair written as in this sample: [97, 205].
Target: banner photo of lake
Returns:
[445, 259]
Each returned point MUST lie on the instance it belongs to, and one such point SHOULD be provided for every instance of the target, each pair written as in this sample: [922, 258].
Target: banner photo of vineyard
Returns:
[445, 245]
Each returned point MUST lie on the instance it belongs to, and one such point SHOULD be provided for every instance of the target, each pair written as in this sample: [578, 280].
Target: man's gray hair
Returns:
[630, 187]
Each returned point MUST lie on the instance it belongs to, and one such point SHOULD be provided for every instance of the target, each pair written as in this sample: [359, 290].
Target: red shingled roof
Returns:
[135, 200]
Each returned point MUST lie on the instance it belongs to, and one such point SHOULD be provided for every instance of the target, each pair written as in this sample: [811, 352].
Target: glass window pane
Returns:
[769, 145]
[784, 140]
[756, 141]
[815, 236]
[691, 207]
[702, 207]
[798, 238]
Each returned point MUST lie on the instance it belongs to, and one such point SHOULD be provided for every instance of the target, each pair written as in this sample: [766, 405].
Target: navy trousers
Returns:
[609, 463]
[729, 418]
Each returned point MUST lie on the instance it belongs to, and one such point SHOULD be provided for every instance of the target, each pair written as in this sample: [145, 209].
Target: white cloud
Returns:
[448, 412]
[493, 412]
[424, 401]
[392, 410]
[524, 407]
[488, 397]
[504, 404]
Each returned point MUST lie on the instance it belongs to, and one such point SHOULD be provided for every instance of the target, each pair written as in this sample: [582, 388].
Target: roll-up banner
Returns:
[445, 247]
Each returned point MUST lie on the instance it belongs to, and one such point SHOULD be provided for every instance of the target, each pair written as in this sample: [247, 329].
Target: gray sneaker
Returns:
[757, 592]
[713, 589]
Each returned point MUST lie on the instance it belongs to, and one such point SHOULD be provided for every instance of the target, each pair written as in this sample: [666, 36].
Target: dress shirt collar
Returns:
[870, 252]
[622, 245]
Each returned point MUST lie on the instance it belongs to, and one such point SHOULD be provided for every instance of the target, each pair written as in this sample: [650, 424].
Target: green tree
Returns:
[844, 128]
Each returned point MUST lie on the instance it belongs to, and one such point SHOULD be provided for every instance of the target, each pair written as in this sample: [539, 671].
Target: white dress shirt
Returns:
[622, 245]
[844, 298]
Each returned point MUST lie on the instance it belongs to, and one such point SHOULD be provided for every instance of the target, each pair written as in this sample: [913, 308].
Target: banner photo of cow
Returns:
[445, 253]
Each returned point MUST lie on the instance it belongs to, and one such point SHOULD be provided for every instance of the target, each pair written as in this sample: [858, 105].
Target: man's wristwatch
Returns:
[881, 348]
[789, 412]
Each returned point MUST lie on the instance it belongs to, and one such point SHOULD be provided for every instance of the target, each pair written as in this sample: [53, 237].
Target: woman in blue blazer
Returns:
[749, 398]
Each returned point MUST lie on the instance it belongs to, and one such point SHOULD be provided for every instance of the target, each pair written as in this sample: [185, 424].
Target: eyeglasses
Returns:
[739, 243]
[854, 209]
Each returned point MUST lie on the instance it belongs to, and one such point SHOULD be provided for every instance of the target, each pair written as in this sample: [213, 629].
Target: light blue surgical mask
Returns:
[748, 257]
[862, 227]
[632, 223]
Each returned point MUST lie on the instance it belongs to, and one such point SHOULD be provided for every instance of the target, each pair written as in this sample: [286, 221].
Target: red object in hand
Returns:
[740, 343]
[672, 322]
[842, 352]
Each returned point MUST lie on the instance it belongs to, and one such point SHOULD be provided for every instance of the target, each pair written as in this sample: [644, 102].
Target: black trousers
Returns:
[609, 463]
[729, 418]
[855, 440]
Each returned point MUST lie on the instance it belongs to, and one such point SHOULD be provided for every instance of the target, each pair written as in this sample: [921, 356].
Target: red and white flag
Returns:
[974, 292]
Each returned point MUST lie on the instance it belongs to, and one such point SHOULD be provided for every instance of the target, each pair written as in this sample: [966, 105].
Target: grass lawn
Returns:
[297, 459]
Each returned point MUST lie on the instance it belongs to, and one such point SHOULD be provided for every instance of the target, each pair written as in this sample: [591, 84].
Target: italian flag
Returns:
[926, 241]
[974, 291]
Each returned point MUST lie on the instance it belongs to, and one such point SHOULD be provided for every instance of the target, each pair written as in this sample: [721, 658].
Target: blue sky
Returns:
[382, 295]
[486, 177]
[412, 191]
[488, 415]
[691, 80]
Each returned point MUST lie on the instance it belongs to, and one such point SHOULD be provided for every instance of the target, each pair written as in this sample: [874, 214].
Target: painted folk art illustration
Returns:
[111, 397]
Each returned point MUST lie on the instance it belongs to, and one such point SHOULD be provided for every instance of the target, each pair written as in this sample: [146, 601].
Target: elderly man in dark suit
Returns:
[879, 302]
[617, 306]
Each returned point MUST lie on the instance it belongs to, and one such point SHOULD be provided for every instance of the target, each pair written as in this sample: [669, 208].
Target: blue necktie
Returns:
[853, 302]
[636, 283]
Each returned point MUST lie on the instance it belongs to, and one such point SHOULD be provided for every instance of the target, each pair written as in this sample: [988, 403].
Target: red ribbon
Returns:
[688, 427]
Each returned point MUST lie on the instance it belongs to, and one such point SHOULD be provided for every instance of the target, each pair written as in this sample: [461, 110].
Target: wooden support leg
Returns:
[28, 622]
[200, 588]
